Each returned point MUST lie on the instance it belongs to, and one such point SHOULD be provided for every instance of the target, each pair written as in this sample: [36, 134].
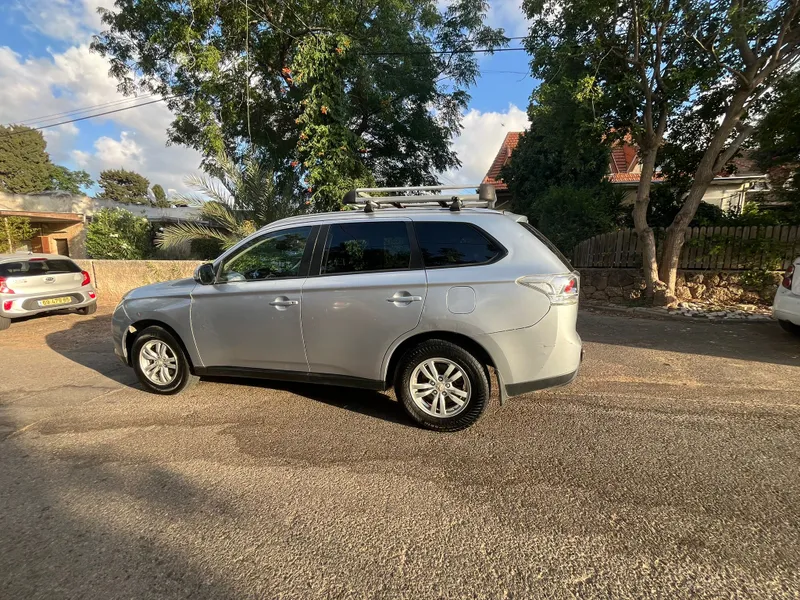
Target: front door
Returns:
[250, 318]
[366, 294]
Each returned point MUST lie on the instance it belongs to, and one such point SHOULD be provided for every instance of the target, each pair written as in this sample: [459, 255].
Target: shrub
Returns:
[118, 234]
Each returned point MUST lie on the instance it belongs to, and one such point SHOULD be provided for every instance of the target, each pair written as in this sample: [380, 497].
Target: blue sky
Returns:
[47, 68]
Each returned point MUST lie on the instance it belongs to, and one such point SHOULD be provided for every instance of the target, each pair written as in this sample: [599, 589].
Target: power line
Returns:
[429, 52]
[108, 112]
[76, 111]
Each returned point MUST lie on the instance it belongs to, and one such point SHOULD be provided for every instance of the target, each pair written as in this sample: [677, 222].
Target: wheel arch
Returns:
[460, 339]
[140, 326]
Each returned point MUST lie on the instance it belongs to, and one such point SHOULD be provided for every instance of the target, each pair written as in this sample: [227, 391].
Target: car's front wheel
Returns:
[442, 386]
[160, 363]
[790, 327]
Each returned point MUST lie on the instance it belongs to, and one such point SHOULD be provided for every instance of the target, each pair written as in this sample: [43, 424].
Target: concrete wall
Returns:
[113, 278]
[621, 286]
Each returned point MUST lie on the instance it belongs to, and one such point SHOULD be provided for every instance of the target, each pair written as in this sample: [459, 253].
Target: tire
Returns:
[472, 384]
[151, 341]
[88, 310]
[785, 325]
[5, 323]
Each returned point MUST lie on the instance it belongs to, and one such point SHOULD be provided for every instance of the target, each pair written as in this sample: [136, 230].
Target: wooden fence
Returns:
[706, 248]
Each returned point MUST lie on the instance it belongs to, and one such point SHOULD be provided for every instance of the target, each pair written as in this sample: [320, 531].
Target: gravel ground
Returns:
[670, 468]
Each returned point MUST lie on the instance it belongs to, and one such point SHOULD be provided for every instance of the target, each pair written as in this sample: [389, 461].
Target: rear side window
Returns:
[364, 247]
[30, 268]
[548, 243]
[445, 244]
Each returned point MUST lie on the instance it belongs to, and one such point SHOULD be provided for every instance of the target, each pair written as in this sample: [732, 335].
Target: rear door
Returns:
[366, 289]
[48, 278]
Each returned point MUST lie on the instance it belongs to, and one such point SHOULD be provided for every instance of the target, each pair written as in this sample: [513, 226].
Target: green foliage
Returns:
[74, 182]
[160, 197]
[567, 215]
[118, 234]
[123, 186]
[331, 94]
[237, 202]
[205, 249]
[14, 230]
[25, 166]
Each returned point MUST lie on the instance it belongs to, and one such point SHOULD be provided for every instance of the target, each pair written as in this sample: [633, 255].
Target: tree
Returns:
[25, 166]
[243, 198]
[123, 186]
[556, 173]
[333, 94]
[61, 178]
[655, 64]
[160, 196]
[13, 232]
[116, 233]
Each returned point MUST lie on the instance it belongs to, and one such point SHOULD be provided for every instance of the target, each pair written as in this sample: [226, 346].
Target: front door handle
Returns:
[281, 301]
[404, 298]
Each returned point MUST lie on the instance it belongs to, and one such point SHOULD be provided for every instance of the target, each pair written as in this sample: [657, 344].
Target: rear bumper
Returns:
[786, 306]
[24, 306]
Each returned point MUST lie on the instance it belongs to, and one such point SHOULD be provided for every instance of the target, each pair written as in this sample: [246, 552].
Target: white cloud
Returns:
[66, 20]
[508, 15]
[77, 78]
[480, 139]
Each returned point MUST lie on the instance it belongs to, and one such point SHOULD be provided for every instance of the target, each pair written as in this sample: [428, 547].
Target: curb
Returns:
[655, 313]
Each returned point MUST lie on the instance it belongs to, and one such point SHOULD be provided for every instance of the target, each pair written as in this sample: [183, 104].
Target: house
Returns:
[60, 219]
[729, 192]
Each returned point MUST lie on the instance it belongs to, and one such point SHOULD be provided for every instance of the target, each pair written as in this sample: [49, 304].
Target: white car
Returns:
[786, 307]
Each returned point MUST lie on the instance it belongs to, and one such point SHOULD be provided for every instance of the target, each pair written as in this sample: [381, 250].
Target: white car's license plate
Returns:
[55, 301]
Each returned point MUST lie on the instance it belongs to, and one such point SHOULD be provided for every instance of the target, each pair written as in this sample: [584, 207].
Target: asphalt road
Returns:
[669, 469]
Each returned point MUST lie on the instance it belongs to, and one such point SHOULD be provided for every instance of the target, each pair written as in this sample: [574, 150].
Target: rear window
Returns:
[447, 244]
[548, 243]
[30, 268]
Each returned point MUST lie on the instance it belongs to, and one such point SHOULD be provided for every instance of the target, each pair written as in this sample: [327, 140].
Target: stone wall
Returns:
[113, 278]
[622, 286]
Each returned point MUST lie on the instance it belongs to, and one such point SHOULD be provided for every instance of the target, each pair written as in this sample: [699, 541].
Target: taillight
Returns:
[4, 289]
[86, 279]
[560, 289]
[787, 277]
[7, 305]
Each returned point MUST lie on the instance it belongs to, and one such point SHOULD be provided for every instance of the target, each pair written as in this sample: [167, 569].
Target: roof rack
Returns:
[411, 196]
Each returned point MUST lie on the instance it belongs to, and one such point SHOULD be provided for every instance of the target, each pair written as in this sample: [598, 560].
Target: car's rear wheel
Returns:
[442, 386]
[790, 327]
[88, 310]
[5, 323]
[160, 363]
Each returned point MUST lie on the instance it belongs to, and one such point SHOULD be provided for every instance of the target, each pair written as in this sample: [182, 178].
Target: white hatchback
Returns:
[786, 307]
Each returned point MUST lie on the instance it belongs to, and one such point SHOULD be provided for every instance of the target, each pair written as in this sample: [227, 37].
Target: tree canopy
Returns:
[160, 196]
[332, 94]
[123, 186]
[66, 180]
[25, 166]
[118, 234]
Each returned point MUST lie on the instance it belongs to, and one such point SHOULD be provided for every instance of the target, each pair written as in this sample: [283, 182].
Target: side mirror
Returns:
[204, 274]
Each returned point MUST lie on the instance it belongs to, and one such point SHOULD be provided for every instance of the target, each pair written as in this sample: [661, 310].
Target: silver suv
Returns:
[422, 299]
[37, 283]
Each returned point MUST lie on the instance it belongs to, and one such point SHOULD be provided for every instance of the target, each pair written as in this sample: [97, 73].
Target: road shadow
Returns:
[88, 343]
[758, 342]
[78, 523]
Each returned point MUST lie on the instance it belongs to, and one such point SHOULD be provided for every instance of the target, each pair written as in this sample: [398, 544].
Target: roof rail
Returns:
[411, 196]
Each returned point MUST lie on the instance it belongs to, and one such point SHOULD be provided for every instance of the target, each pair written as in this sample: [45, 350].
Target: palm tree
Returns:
[234, 203]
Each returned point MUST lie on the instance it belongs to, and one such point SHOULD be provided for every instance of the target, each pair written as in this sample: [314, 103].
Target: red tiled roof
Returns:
[509, 143]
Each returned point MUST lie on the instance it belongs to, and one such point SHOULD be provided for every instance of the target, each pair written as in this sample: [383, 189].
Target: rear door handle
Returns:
[406, 299]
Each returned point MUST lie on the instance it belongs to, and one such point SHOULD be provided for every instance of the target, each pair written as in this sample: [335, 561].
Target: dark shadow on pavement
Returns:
[760, 342]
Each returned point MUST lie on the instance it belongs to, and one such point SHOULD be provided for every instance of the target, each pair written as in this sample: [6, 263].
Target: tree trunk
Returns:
[714, 159]
[643, 231]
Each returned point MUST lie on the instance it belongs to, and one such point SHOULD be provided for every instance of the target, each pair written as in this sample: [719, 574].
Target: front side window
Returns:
[363, 247]
[275, 255]
[445, 244]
